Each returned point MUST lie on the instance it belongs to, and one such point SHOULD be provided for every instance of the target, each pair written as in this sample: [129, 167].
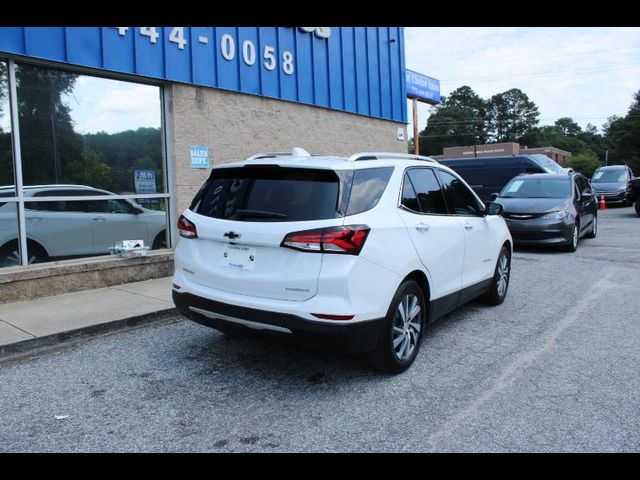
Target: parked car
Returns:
[550, 209]
[634, 186]
[487, 175]
[613, 181]
[72, 228]
[353, 254]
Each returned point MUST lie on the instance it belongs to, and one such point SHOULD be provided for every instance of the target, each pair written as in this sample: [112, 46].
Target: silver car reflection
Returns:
[73, 228]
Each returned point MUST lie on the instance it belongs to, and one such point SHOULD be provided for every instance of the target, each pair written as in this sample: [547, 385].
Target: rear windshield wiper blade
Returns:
[258, 214]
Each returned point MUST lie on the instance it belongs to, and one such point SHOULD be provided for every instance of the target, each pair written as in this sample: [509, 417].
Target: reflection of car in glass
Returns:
[550, 209]
[614, 182]
[71, 228]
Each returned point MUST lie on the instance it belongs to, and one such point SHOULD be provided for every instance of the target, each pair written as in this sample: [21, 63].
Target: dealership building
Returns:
[97, 122]
[500, 150]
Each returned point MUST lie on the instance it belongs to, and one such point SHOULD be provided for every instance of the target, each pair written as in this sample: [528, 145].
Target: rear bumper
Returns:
[346, 338]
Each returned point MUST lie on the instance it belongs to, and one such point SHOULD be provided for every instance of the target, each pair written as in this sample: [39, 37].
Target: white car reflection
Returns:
[73, 228]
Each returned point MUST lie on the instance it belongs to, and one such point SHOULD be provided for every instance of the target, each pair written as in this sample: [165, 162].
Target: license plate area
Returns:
[238, 257]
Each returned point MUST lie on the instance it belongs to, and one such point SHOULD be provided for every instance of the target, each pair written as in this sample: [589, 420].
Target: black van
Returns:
[487, 175]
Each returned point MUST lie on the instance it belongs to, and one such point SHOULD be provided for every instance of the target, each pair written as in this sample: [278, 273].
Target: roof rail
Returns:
[258, 156]
[383, 155]
[295, 152]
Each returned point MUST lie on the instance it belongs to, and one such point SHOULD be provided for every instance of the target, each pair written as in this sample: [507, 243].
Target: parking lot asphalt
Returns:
[553, 369]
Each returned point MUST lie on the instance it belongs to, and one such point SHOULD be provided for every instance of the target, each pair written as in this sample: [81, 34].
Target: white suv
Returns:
[356, 254]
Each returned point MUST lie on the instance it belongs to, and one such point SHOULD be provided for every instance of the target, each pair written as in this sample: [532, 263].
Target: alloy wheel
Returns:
[406, 327]
[12, 259]
[503, 276]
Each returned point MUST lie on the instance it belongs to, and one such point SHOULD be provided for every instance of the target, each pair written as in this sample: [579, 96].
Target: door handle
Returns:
[35, 219]
[422, 227]
[468, 226]
[98, 219]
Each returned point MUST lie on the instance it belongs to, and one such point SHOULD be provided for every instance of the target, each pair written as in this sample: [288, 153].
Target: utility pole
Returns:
[606, 157]
[416, 138]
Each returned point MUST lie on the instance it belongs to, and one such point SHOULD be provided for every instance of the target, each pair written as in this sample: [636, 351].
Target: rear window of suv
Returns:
[269, 194]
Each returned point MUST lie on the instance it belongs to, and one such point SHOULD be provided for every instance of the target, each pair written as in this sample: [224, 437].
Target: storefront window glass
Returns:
[84, 130]
[9, 247]
[80, 136]
[6, 156]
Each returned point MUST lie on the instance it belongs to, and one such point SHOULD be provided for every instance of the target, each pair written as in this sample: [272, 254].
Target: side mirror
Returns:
[136, 210]
[493, 196]
[492, 208]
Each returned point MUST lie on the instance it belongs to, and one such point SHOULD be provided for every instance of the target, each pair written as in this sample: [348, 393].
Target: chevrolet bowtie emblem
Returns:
[231, 235]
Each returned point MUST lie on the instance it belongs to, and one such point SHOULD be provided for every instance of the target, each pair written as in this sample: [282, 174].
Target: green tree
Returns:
[458, 120]
[563, 135]
[91, 169]
[124, 151]
[49, 144]
[6, 156]
[568, 126]
[585, 163]
[623, 137]
[510, 115]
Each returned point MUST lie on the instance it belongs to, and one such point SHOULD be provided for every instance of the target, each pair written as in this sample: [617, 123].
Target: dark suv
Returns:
[550, 209]
[613, 181]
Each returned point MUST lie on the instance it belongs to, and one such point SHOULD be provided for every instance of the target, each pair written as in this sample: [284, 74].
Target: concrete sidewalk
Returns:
[48, 321]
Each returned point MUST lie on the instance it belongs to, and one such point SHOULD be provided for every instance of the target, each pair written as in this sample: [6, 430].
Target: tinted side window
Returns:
[367, 188]
[427, 190]
[460, 199]
[409, 199]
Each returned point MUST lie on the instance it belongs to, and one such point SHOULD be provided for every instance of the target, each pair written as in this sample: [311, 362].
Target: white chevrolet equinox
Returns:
[353, 254]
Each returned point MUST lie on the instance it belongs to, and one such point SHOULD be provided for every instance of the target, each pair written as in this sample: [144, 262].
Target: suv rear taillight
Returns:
[348, 239]
[186, 228]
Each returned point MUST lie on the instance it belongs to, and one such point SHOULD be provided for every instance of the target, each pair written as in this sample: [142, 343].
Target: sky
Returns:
[588, 74]
[119, 105]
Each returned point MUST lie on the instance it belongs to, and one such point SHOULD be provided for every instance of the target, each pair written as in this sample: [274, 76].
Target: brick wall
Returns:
[235, 126]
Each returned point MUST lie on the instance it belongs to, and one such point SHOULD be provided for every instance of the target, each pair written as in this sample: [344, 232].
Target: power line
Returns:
[478, 121]
[454, 65]
[542, 74]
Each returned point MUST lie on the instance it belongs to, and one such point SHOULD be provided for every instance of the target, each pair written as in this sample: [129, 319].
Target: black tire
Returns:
[500, 284]
[388, 358]
[638, 207]
[594, 228]
[10, 256]
[160, 241]
[572, 246]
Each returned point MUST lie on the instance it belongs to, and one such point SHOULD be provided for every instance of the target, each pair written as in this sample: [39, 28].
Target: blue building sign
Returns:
[199, 156]
[354, 69]
[422, 87]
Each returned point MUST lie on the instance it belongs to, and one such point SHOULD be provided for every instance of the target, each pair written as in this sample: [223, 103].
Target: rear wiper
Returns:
[258, 214]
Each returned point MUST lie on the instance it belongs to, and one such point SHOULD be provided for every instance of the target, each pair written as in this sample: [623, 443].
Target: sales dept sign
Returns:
[199, 156]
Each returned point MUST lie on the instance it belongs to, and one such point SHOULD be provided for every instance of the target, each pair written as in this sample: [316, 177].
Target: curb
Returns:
[69, 337]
